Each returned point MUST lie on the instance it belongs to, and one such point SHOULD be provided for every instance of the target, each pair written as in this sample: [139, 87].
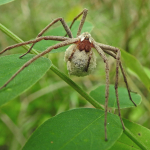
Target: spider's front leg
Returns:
[84, 14]
[61, 44]
[64, 24]
[67, 29]
[56, 38]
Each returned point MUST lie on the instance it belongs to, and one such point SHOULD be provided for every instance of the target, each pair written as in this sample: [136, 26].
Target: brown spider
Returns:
[79, 56]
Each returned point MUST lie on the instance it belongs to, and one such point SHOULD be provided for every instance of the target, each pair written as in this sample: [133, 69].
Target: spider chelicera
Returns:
[79, 56]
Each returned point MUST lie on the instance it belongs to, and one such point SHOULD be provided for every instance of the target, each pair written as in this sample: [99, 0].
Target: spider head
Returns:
[85, 42]
[85, 36]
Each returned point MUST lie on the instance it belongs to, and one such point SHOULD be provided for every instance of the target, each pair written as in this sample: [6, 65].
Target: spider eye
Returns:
[86, 38]
[82, 38]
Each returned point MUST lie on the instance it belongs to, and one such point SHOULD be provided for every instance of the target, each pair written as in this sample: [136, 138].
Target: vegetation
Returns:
[118, 23]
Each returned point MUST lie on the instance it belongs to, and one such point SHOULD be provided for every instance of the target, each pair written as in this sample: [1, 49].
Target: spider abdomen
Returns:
[79, 63]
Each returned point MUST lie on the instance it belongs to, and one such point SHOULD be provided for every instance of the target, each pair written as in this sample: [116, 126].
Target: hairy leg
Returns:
[47, 27]
[108, 49]
[72, 53]
[84, 13]
[56, 38]
[102, 54]
[90, 55]
[116, 85]
[61, 44]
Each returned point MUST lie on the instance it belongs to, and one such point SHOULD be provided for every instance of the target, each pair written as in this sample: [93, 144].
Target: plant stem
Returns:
[15, 38]
[134, 139]
[76, 87]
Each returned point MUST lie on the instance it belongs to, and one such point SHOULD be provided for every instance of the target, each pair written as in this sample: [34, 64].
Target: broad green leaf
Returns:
[78, 129]
[25, 79]
[99, 95]
[60, 31]
[74, 11]
[141, 133]
[5, 1]
[132, 63]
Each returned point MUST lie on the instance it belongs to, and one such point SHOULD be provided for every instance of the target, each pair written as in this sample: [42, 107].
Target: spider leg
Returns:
[61, 44]
[47, 27]
[116, 85]
[115, 50]
[57, 38]
[84, 13]
[90, 55]
[102, 54]
[125, 80]
[72, 53]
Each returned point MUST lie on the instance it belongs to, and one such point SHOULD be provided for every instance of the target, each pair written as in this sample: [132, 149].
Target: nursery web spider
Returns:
[79, 56]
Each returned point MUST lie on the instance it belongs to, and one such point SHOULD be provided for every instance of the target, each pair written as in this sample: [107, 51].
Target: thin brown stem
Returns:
[64, 43]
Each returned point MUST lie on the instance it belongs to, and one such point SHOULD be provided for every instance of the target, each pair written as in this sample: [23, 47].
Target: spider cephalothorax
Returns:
[80, 59]
[86, 42]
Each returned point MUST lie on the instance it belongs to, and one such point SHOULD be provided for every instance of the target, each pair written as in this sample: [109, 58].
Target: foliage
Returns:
[5, 1]
[74, 128]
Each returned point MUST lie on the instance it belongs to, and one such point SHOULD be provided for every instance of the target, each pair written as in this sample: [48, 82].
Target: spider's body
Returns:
[81, 61]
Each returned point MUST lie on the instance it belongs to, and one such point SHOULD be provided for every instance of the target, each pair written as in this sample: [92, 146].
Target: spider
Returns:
[79, 56]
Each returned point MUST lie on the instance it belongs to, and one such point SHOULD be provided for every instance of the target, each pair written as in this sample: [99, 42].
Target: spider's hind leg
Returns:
[125, 80]
[116, 85]
[113, 51]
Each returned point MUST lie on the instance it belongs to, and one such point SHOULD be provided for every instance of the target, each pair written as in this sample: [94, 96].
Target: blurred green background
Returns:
[120, 23]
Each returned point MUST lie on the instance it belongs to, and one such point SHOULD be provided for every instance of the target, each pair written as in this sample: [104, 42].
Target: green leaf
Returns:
[147, 71]
[25, 79]
[5, 1]
[78, 129]
[132, 63]
[99, 95]
[141, 133]
[60, 31]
